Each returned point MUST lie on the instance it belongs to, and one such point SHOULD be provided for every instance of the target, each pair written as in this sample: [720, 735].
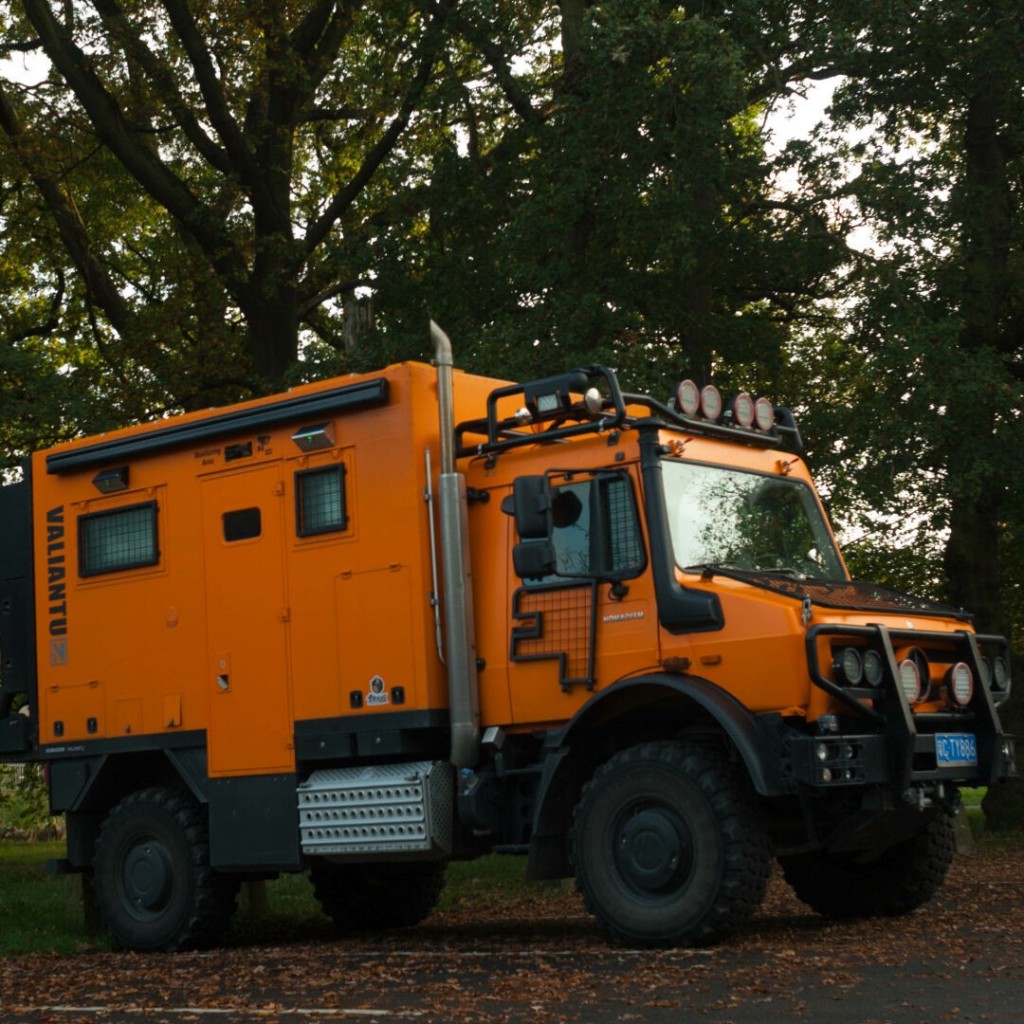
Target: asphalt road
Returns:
[959, 959]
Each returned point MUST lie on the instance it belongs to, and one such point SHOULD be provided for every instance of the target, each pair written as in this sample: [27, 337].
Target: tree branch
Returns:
[72, 230]
[517, 97]
[241, 156]
[119, 27]
[346, 196]
[140, 160]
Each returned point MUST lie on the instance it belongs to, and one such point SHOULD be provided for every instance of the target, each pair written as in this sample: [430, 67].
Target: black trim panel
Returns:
[254, 823]
[17, 612]
[123, 744]
[680, 609]
[374, 735]
[344, 399]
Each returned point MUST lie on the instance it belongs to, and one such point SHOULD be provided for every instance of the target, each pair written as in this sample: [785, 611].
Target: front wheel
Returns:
[895, 882]
[668, 846]
[154, 886]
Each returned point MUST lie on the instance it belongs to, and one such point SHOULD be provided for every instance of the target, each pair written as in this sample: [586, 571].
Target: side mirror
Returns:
[534, 556]
[534, 559]
[531, 505]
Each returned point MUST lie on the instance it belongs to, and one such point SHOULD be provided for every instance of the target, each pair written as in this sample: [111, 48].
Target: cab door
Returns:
[250, 724]
[594, 620]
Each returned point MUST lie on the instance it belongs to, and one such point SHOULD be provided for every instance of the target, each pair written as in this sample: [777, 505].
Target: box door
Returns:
[248, 680]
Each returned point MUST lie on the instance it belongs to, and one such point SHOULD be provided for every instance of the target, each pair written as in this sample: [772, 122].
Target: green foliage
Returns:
[24, 806]
[618, 210]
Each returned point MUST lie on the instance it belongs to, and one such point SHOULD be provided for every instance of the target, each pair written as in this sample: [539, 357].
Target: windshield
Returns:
[734, 519]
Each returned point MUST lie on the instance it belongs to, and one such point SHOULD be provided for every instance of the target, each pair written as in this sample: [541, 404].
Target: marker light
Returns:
[743, 409]
[960, 682]
[711, 402]
[910, 680]
[764, 414]
[688, 398]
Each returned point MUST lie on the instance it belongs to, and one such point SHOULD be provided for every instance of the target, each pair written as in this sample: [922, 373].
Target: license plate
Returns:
[955, 749]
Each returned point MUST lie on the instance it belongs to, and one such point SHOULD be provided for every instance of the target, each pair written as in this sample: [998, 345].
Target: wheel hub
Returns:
[654, 851]
[147, 876]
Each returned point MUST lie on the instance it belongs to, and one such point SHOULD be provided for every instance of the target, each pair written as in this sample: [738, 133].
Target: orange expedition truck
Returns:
[386, 621]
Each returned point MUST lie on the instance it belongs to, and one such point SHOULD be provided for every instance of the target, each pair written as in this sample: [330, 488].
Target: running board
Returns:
[379, 810]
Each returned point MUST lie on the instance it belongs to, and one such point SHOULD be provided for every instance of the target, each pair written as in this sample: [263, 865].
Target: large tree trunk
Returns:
[972, 556]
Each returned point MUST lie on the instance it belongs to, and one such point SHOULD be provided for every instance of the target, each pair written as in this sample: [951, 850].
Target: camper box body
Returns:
[236, 590]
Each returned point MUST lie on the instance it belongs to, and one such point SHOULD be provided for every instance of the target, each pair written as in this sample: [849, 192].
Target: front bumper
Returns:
[879, 737]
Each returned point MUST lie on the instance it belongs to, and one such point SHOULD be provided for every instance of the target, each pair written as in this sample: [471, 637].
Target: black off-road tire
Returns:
[367, 897]
[898, 881]
[154, 886]
[669, 847]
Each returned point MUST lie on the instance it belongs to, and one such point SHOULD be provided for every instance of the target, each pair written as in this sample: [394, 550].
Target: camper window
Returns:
[320, 501]
[123, 538]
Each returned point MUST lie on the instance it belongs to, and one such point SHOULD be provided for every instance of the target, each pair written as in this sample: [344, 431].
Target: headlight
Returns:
[848, 666]
[874, 668]
[960, 683]
[764, 414]
[1000, 675]
[743, 409]
[910, 680]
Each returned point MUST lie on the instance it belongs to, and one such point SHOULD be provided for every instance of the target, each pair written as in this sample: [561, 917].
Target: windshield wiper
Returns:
[708, 569]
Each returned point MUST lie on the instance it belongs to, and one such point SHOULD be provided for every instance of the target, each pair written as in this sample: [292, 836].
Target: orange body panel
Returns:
[242, 636]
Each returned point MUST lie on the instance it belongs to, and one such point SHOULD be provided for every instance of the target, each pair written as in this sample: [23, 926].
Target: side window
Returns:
[320, 501]
[595, 528]
[242, 524]
[123, 538]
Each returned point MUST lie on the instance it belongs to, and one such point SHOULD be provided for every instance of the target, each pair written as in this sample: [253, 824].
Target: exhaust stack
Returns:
[460, 635]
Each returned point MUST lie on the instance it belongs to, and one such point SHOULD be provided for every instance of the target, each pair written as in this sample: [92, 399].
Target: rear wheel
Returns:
[668, 846]
[154, 886]
[899, 880]
[363, 897]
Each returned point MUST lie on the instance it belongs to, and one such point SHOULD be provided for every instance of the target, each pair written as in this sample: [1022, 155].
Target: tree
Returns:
[932, 350]
[602, 193]
[243, 137]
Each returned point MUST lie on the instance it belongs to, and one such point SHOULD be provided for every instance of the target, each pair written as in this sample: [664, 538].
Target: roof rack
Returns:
[588, 400]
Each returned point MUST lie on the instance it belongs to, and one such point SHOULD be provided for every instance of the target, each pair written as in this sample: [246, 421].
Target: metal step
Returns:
[379, 809]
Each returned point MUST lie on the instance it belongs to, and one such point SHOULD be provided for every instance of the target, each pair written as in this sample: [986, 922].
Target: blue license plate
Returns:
[956, 749]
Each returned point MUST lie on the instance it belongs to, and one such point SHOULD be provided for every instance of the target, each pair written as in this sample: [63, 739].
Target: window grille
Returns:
[124, 538]
[320, 501]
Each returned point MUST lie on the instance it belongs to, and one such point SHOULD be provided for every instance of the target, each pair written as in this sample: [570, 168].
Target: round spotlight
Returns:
[594, 401]
[1000, 675]
[848, 666]
[960, 683]
[764, 414]
[743, 409]
[910, 680]
[711, 402]
[874, 668]
[688, 398]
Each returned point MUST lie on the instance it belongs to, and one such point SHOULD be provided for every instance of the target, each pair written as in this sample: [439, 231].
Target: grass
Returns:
[42, 913]
[37, 911]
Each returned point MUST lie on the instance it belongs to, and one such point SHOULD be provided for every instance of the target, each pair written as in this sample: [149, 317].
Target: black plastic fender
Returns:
[615, 718]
